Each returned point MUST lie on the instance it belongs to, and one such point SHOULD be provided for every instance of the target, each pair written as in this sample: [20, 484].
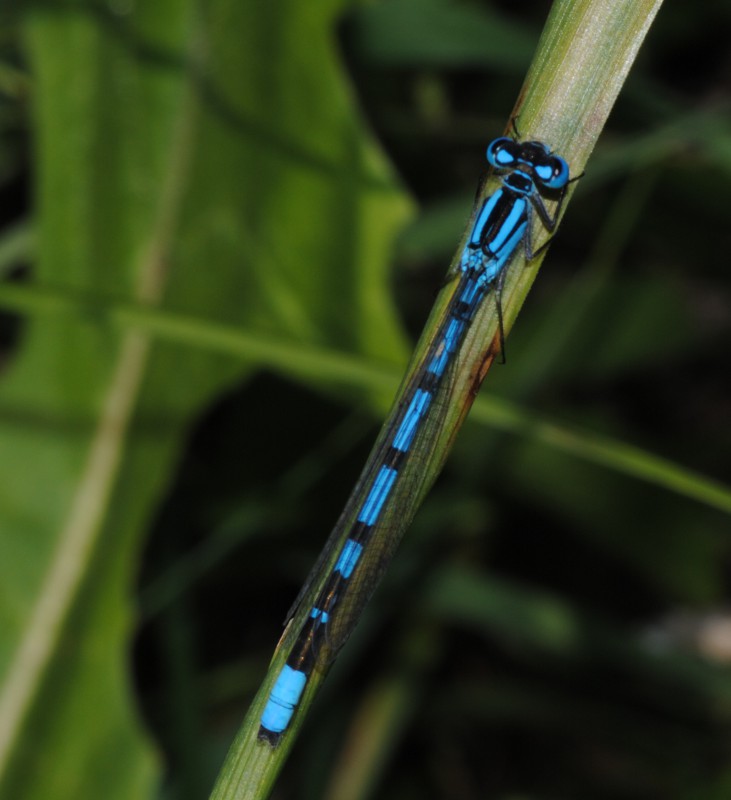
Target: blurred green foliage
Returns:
[550, 627]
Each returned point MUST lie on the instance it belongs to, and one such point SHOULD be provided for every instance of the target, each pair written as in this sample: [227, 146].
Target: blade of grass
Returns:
[323, 366]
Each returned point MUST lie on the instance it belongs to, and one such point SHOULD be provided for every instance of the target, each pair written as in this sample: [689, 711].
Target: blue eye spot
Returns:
[558, 173]
[500, 152]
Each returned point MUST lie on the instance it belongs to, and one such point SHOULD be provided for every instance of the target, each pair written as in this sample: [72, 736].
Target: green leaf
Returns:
[172, 171]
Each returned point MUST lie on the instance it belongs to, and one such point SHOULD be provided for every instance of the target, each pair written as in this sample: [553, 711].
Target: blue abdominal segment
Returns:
[378, 495]
[348, 559]
[417, 408]
[283, 700]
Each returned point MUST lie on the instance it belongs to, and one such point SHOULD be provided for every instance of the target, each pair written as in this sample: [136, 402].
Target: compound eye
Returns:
[554, 173]
[501, 153]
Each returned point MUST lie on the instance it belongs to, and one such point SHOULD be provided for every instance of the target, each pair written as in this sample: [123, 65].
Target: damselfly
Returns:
[365, 537]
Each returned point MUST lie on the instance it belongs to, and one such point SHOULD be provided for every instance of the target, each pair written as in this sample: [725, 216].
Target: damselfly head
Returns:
[534, 158]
